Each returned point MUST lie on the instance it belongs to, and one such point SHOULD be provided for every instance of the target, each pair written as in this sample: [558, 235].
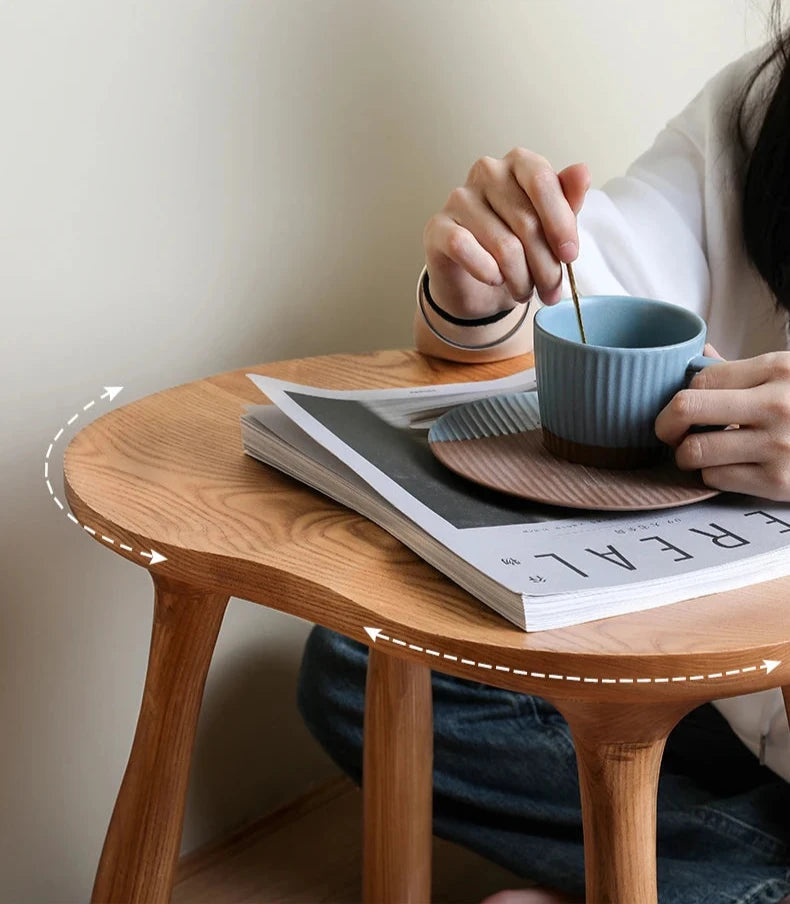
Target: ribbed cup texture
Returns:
[607, 397]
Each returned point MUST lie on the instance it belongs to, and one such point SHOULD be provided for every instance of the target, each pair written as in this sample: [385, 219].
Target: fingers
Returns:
[575, 181]
[711, 352]
[744, 374]
[445, 236]
[697, 406]
[512, 205]
[754, 459]
[543, 188]
[764, 480]
[510, 225]
[748, 479]
[722, 447]
[474, 213]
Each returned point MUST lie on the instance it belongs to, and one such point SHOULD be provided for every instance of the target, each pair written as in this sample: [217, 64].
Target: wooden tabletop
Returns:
[168, 472]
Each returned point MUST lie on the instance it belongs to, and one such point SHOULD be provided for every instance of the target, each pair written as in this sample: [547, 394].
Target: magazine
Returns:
[539, 566]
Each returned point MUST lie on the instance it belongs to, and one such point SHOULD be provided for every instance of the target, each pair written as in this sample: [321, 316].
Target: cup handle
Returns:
[697, 364]
[692, 369]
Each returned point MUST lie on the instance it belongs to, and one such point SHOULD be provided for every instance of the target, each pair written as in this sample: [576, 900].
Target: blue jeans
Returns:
[506, 785]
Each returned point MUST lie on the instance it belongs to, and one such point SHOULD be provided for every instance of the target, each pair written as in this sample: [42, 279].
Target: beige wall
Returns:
[190, 186]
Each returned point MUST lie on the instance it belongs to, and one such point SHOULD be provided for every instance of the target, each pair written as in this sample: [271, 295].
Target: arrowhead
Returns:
[373, 633]
[156, 558]
[770, 664]
[112, 391]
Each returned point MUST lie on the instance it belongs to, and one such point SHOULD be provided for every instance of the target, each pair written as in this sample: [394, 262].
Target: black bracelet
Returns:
[461, 321]
[421, 295]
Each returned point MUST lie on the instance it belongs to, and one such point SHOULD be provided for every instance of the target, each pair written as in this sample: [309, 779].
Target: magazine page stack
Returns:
[539, 566]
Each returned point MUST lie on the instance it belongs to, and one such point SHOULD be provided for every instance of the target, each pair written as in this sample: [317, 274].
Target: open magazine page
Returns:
[533, 549]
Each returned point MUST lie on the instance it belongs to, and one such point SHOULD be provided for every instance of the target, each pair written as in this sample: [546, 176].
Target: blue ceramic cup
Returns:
[599, 402]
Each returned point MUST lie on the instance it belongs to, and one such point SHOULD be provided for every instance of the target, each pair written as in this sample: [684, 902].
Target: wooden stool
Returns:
[167, 473]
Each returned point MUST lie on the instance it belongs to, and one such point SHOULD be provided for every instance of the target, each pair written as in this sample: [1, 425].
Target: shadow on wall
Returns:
[347, 181]
[248, 732]
[357, 179]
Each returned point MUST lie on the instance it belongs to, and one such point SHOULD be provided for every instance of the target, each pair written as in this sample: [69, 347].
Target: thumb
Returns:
[575, 181]
[711, 352]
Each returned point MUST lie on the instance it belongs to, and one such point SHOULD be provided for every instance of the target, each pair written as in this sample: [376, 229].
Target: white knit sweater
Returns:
[670, 229]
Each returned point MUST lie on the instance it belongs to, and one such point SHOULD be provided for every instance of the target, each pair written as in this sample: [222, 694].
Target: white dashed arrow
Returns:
[110, 392]
[376, 634]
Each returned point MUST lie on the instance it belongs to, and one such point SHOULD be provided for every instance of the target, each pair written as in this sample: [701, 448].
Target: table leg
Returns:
[141, 848]
[397, 782]
[618, 751]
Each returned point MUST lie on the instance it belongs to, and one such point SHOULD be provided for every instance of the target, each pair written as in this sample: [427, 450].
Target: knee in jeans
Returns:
[331, 695]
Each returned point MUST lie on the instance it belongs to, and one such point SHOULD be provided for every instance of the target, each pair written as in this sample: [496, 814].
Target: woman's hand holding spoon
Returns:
[504, 234]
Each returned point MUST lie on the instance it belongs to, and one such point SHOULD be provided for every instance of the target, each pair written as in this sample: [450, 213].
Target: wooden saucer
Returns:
[498, 443]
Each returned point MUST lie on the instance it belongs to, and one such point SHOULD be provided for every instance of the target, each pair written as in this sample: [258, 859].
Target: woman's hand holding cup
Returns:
[504, 234]
[753, 393]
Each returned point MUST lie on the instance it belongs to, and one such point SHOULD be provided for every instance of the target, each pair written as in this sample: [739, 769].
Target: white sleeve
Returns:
[643, 234]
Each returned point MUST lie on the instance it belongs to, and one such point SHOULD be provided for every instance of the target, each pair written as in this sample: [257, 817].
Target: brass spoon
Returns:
[575, 294]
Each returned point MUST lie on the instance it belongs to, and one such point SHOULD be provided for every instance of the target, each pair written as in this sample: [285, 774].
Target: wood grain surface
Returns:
[140, 854]
[397, 782]
[168, 472]
[618, 754]
[310, 850]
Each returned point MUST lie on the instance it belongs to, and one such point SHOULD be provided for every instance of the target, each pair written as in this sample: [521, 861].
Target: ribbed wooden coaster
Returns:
[514, 460]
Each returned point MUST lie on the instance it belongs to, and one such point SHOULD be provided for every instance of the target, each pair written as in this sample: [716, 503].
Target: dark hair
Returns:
[765, 201]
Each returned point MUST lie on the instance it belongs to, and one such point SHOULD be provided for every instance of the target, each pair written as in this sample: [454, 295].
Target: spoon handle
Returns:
[575, 294]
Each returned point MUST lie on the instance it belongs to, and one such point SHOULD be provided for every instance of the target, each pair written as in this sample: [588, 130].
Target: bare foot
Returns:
[530, 896]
